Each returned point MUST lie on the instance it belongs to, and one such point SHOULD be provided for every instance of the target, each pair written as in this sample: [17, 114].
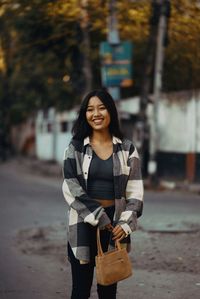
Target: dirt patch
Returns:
[177, 252]
[45, 241]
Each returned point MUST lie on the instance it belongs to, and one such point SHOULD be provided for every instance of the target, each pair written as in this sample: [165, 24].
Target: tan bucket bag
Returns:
[112, 266]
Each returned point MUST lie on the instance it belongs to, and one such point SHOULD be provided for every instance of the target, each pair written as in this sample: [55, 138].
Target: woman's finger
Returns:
[117, 230]
[118, 233]
[118, 237]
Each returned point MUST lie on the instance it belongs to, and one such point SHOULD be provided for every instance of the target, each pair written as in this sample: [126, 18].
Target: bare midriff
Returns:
[106, 202]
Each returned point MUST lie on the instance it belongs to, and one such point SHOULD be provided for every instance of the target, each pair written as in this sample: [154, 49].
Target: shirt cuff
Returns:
[126, 228]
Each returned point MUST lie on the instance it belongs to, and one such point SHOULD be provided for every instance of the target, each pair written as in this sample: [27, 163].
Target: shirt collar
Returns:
[115, 140]
[86, 141]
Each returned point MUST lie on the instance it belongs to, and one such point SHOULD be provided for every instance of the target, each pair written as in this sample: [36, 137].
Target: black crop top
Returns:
[100, 178]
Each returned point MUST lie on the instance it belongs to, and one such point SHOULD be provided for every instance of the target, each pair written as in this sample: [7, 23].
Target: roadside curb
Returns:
[184, 186]
[173, 186]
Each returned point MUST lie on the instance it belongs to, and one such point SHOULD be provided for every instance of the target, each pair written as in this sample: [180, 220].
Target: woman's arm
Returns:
[134, 194]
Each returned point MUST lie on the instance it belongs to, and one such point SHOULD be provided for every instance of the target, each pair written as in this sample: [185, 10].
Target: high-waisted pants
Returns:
[82, 274]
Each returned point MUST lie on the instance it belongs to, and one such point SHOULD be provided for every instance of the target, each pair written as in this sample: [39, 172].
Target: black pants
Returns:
[82, 274]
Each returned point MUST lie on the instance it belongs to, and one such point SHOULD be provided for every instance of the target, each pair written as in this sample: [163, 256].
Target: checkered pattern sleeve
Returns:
[76, 197]
[134, 194]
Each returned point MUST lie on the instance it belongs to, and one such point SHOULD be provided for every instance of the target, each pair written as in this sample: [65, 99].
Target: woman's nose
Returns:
[96, 112]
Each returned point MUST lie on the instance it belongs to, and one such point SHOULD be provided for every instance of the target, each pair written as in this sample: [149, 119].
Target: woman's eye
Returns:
[102, 108]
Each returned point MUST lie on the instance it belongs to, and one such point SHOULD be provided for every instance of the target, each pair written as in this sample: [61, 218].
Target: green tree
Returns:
[39, 53]
[182, 62]
[44, 44]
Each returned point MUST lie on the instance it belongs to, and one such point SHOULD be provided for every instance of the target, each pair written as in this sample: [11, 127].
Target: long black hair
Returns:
[82, 129]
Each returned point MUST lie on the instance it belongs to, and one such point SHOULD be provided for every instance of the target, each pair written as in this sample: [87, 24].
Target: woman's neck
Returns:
[101, 137]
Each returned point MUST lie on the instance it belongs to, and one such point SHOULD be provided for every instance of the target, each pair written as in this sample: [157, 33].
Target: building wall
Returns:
[179, 136]
[179, 123]
[53, 134]
[44, 146]
[63, 140]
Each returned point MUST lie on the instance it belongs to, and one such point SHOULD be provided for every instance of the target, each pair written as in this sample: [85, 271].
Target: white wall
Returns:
[179, 124]
[44, 146]
[51, 145]
[63, 140]
[197, 131]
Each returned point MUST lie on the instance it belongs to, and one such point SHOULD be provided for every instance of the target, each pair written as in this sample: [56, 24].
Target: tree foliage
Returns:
[39, 51]
[42, 49]
[182, 61]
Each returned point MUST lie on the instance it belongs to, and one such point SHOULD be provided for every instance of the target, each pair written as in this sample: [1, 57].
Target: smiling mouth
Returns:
[98, 121]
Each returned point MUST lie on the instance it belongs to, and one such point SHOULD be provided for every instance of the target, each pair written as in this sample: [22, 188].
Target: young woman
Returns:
[103, 188]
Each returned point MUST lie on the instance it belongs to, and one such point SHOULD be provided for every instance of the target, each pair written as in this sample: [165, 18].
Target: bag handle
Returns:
[99, 247]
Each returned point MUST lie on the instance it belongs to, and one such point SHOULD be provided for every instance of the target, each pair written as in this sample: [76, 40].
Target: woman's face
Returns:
[97, 115]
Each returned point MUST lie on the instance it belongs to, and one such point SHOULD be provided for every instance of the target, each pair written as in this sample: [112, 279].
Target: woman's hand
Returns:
[109, 227]
[118, 233]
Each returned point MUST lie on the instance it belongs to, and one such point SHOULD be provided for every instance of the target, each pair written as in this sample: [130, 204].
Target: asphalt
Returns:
[166, 246]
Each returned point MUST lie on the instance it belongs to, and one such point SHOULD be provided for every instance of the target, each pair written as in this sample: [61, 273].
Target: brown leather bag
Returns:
[112, 266]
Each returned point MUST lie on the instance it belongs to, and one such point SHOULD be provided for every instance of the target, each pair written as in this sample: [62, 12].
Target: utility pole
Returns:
[113, 39]
[146, 84]
[87, 69]
[153, 121]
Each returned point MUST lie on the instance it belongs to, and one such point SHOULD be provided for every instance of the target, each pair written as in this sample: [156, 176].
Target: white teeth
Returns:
[97, 120]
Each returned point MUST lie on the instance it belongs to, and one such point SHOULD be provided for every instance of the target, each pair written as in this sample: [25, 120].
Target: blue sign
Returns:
[116, 63]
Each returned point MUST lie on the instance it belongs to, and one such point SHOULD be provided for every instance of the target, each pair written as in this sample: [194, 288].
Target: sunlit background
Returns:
[146, 54]
[53, 52]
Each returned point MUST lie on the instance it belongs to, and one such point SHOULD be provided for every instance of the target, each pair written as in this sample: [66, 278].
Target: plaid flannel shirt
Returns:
[85, 211]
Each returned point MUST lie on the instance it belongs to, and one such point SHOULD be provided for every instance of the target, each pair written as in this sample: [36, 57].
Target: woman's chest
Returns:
[103, 152]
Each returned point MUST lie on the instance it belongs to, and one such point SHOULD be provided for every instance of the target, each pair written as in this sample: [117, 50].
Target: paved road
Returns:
[33, 241]
[28, 202]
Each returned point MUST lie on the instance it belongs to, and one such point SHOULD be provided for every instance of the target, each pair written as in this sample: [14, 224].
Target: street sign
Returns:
[116, 69]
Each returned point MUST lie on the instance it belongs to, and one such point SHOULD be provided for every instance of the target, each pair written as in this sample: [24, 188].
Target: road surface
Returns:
[33, 261]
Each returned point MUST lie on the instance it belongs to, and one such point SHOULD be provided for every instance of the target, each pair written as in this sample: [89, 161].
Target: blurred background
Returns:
[146, 54]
